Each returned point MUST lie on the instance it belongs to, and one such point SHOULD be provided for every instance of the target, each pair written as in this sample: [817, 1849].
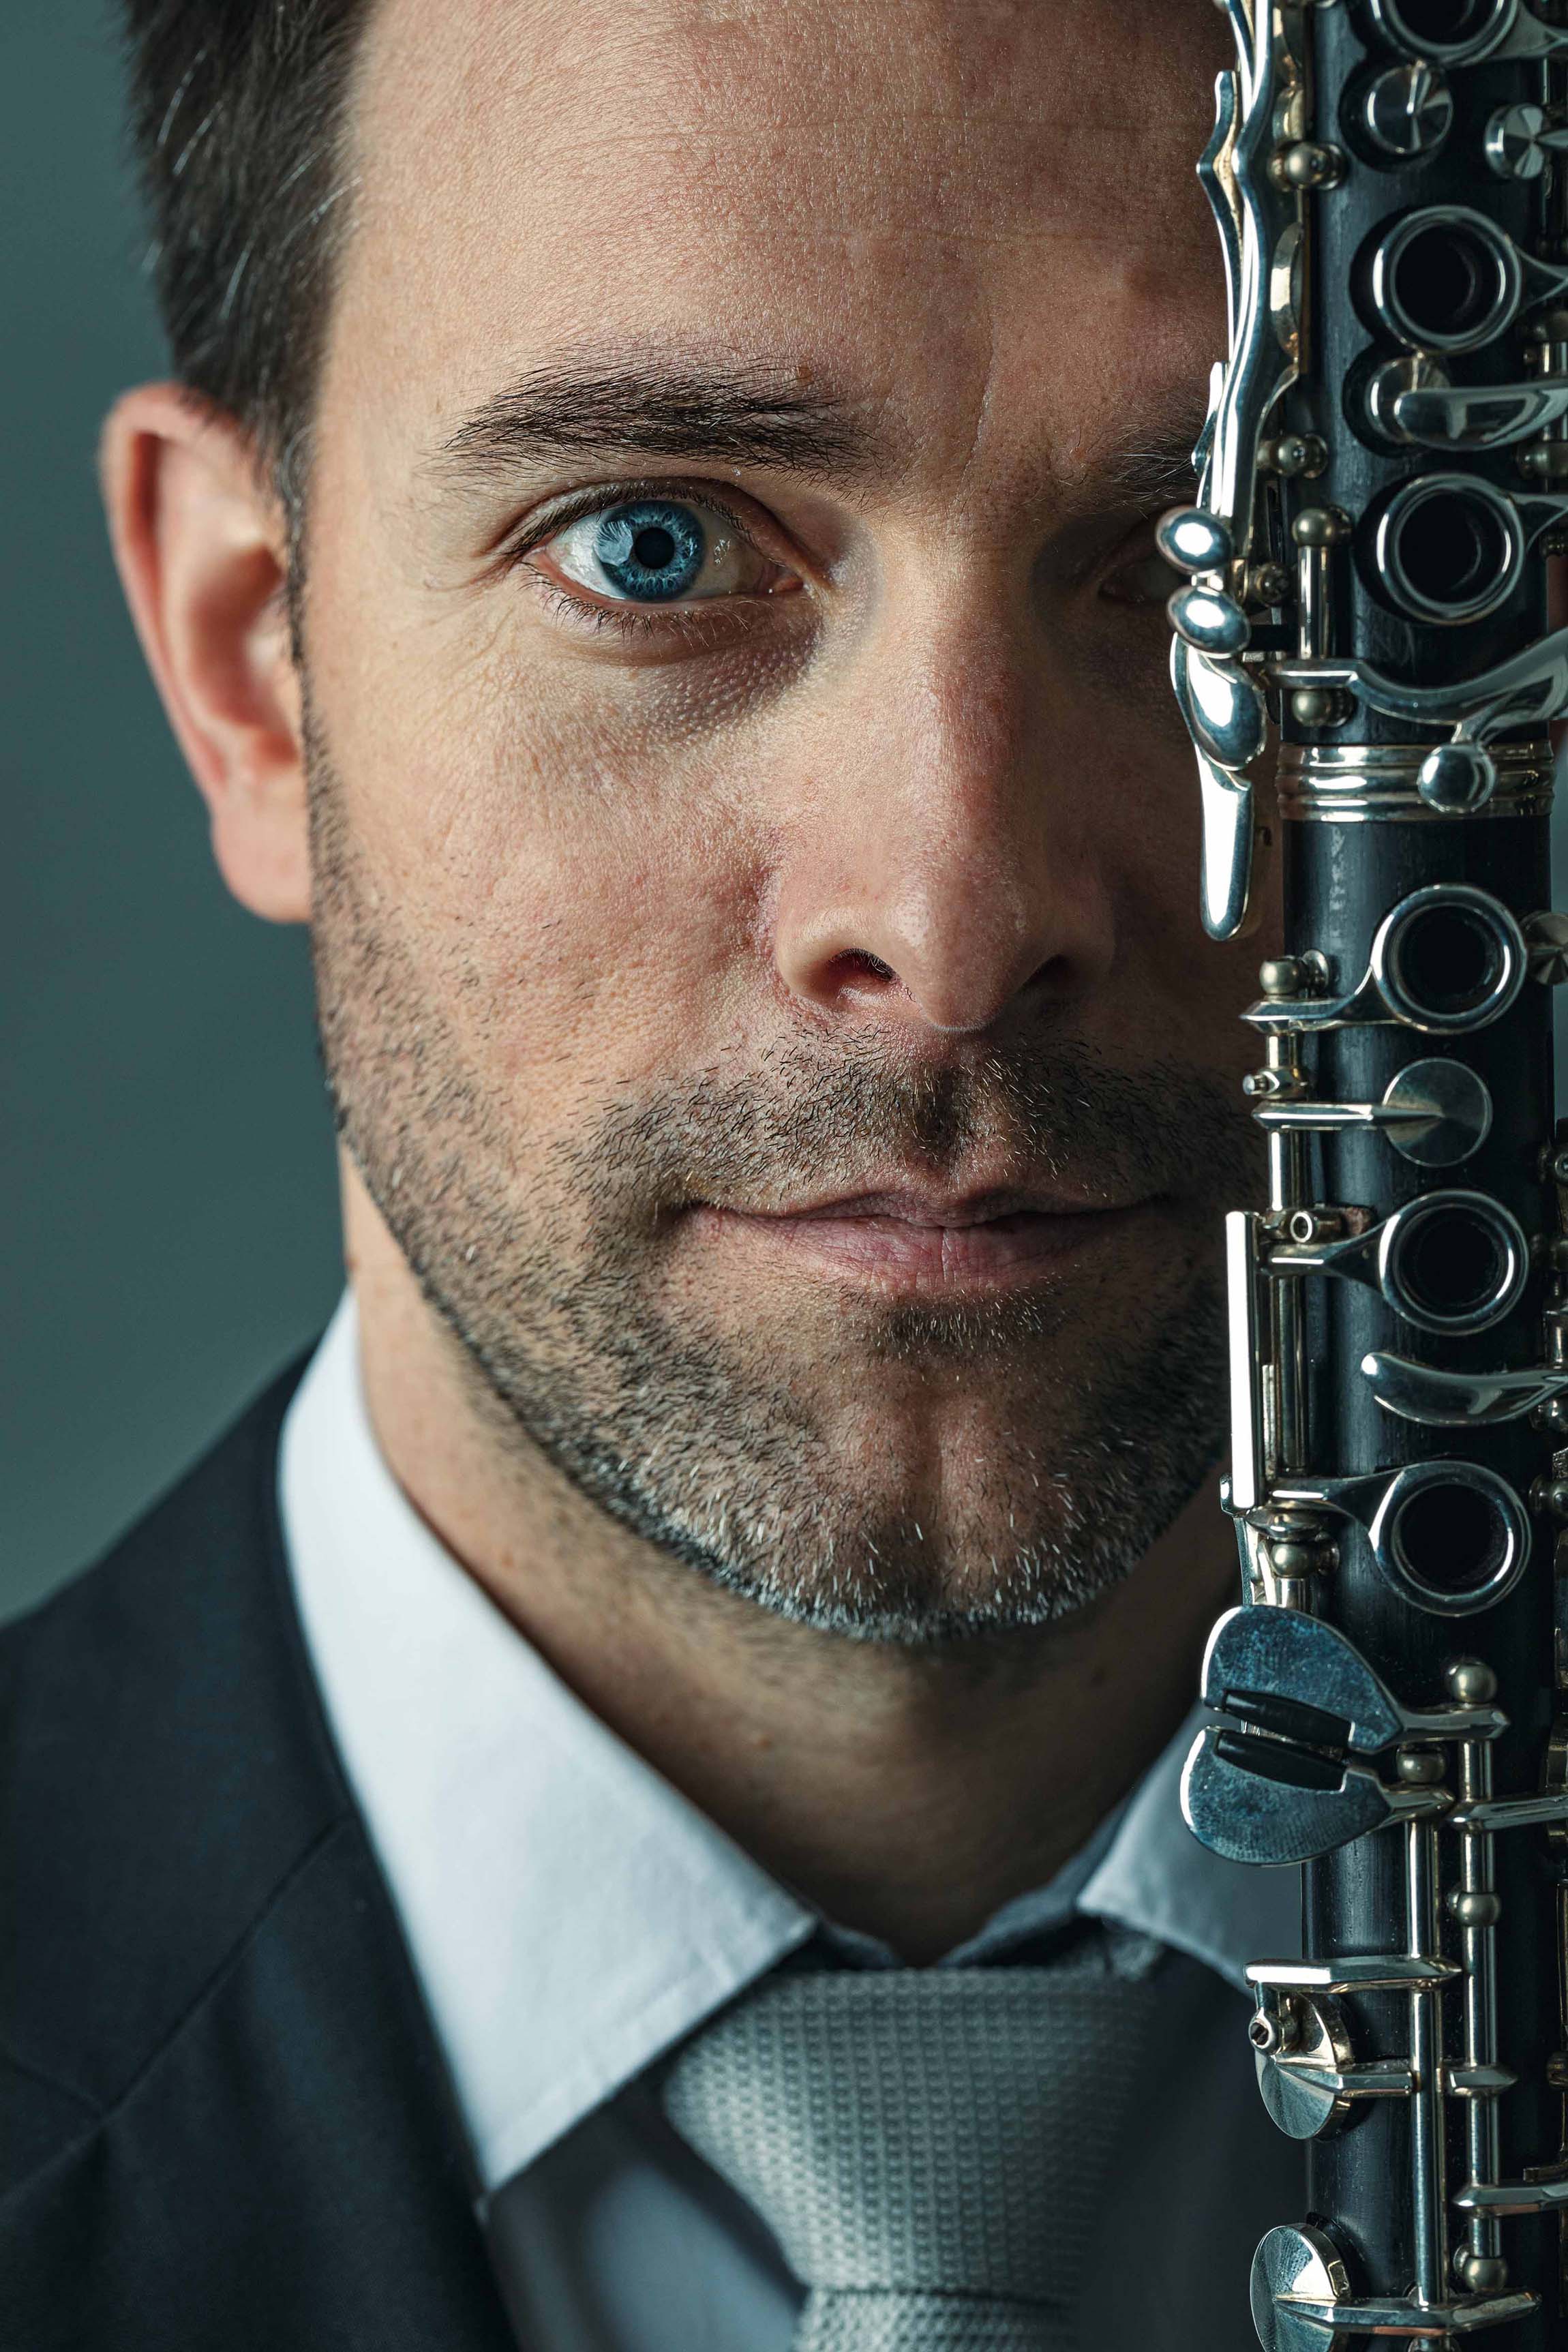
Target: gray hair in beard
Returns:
[695, 1438]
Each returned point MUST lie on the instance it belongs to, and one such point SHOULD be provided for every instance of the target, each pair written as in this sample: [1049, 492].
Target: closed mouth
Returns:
[905, 1240]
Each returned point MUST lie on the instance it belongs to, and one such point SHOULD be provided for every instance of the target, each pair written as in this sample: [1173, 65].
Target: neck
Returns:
[904, 1793]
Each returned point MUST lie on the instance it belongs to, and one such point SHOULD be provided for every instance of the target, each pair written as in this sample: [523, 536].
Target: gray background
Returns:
[166, 1195]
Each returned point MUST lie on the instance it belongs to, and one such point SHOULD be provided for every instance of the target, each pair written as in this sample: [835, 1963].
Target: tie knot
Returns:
[933, 2132]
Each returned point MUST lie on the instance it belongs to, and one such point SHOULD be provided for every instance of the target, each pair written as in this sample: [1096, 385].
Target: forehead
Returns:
[920, 198]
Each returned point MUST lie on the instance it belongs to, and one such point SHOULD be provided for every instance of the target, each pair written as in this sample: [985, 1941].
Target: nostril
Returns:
[1052, 977]
[857, 964]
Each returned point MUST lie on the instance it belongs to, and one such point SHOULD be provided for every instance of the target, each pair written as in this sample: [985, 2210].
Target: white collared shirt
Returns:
[571, 1917]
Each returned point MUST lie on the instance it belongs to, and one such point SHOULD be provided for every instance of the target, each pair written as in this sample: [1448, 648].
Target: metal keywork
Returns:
[1435, 1113]
[1374, 783]
[1260, 1666]
[1447, 278]
[1228, 719]
[1363, 647]
[1258, 1801]
[1451, 1538]
[1521, 140]
[1461, 35]
[1446, 960]
[1413, 401]
[1309, 1704]
[1451, 548]
[1445, 1400]
[1279, 1781]
[1308, 2075]
[1260, 218]
[1302, 2301]
[1459, 776]
[1450, 1263]
[1408, 110]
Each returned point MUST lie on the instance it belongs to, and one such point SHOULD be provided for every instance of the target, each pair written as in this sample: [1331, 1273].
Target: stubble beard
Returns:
[698, 1439]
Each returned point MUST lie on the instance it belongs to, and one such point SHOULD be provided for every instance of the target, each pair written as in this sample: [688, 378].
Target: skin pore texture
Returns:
[788, 1100]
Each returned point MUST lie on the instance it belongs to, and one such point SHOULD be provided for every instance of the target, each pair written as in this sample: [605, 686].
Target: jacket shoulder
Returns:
[164, 1770]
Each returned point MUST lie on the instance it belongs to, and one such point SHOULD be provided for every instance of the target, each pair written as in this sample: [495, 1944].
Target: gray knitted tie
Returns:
[931, 2148]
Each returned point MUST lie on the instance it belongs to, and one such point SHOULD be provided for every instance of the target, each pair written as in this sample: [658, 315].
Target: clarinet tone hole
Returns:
[1450, 30]
[1445, 280]
[1447, 961]
[1449, 549]
[1455, 1263]
[1452, 1541]
[1449, 958]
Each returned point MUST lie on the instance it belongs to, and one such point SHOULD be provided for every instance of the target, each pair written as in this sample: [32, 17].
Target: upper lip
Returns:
[916, 1205]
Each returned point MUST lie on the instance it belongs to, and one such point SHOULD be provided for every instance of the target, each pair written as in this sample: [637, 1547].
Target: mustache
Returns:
[811, 1115]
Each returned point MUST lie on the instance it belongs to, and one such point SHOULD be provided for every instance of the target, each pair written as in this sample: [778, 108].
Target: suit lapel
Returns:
[246, 2135]
[287, 2174]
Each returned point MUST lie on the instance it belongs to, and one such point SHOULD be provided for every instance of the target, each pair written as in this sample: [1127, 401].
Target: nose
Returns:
[941, 872]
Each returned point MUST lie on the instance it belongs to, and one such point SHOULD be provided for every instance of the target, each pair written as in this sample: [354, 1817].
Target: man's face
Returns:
[755, 852]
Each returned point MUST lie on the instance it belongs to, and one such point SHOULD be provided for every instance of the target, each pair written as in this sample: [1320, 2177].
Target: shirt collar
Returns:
[571, 1915]
[1157, 1879]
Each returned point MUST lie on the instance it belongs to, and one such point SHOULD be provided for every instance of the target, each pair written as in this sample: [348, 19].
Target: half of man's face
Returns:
[755, 857]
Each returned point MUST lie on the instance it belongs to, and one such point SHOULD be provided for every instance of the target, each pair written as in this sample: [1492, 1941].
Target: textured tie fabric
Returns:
[931, 2148]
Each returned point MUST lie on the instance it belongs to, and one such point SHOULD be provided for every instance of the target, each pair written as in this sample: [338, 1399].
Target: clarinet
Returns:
[1366, 662]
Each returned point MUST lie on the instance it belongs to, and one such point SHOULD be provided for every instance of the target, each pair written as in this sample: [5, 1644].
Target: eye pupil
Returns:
[652, 550]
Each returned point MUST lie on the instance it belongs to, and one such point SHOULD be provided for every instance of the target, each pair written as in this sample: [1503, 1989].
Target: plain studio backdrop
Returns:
[169, 1216]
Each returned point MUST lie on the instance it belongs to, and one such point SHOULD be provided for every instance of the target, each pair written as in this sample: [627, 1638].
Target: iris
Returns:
[651, 549]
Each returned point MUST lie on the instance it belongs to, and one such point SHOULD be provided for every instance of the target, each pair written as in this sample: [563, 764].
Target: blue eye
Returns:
[653, 550]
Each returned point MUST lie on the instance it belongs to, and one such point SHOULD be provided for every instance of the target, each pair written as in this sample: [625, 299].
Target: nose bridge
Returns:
[935, 871]
[958, 880]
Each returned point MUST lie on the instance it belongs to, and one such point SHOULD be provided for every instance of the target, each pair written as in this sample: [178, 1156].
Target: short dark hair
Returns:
[239, 119]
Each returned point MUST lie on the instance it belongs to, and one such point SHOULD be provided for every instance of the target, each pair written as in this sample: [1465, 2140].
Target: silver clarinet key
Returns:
[1371, 656]
[1284, 1778]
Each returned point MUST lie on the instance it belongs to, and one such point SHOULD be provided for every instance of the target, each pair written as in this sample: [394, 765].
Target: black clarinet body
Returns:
[1356, 1895]
[1366, 660]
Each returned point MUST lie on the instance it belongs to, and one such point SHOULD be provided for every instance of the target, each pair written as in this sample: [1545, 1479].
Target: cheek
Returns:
[1177, 993]
[578, 894]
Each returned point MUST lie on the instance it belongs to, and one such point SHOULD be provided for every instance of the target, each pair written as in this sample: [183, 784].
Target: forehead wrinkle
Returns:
[818, 248]
[683, 94]
[963, 193]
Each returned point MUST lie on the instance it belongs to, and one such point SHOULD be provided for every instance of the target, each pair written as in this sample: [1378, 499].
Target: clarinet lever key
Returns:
[1264, 1665]
[1281, 1780]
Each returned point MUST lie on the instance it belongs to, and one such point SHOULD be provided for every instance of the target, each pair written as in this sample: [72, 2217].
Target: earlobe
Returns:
[202, 553]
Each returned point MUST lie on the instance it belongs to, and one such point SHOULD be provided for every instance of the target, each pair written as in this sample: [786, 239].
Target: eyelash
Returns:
[622, 620]
[630, 620]
[1135, 552]
[709, 618]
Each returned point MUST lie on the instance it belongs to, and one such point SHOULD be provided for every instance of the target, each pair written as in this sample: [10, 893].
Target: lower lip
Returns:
[1005, 1253]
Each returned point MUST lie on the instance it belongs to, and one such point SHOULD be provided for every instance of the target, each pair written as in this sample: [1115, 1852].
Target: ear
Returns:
[202, 551]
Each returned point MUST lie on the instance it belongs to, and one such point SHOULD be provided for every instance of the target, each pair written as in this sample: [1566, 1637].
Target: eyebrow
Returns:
[736, 416]
[1151, 466]
[753, 416]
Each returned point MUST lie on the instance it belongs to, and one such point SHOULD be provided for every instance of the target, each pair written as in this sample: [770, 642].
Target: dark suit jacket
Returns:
[224, 2126]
